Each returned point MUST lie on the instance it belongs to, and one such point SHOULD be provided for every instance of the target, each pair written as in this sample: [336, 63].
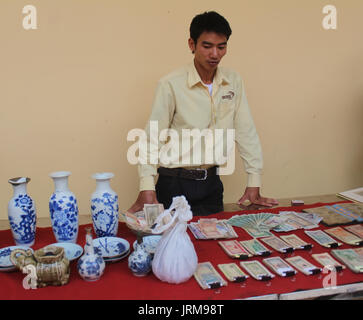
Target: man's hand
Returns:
[253, 195]
[147, 196]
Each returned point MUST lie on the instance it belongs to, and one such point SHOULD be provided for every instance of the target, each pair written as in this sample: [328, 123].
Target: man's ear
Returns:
[191, 44]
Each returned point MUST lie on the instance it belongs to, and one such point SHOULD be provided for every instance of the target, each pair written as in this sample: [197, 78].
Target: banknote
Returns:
[293, 219]
[217, 229]
[322, 238]
[193, 227]
[344, 236]
[357, 229]
[278, 265]
[303, 265]
[351, 258]
[327, 261]
[257, 233]
[297, 243]
[208, 277]
[255, 247]
[256, 224]
[311, 217]
[257, 270]
[151, 212]
[226, 229]
[278, 244]
[232, 272]
[359, 251]
[234, 249]
[209, 228]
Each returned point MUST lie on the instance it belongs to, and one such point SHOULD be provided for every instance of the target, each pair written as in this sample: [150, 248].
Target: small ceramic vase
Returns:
[22, 213]
[63, 209]
[104, 206]
[91, 265]
[140, 261]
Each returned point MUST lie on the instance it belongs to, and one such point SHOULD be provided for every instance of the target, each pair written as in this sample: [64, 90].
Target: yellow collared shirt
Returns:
[182, 101]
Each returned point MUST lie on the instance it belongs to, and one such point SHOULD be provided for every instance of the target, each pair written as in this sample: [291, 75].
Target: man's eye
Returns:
[222, 48]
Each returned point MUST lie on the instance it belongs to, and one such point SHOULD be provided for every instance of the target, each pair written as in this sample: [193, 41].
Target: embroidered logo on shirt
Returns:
[228, 96]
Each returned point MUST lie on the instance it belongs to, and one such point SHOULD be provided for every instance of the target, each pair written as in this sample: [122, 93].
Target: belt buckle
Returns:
[205, 173]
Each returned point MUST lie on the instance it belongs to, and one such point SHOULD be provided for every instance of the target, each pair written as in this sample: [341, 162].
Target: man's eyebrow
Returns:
[210, 43]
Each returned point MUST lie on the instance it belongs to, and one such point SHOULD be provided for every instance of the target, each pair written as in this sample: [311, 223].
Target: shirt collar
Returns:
[194, 78]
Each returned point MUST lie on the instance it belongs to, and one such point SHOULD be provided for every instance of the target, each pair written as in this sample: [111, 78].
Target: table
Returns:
[118, 282]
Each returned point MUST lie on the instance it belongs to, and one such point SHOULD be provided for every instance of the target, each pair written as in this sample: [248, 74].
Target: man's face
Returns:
[210, 49]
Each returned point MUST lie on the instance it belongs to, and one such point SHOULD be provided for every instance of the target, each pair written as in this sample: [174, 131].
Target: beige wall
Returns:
[72, 89]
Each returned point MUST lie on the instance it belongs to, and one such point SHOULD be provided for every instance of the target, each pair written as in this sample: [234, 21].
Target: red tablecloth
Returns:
[119, 283]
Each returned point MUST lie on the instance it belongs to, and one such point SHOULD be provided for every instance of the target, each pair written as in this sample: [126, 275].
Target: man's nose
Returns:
[214, 52]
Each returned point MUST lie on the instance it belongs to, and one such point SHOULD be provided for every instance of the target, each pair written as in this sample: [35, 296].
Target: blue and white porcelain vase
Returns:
[63, 209]
[91, 265]
[104, 206]
[140, 261]
[22, 213]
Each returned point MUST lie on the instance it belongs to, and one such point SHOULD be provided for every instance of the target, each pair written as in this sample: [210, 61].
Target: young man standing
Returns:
[202, 96]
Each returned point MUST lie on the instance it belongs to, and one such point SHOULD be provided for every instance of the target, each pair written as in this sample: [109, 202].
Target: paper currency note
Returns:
[322, 238]
[344, 236]
[327, 261]
[234, 249]
[293, 219]
[152, 211]
[193, 227]
[232, 272]
[277, 244]
[278, 265]
[350, 258]
[255, 247]
[297, 243]
[257, 233]
[303, 265]
[208, 277]
[257, 270]
[209, 228]
[357, 229]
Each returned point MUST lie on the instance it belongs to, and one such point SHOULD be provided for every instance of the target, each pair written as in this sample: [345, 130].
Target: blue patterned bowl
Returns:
[111, 247]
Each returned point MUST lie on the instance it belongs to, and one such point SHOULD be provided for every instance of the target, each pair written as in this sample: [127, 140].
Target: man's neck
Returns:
[205, 75]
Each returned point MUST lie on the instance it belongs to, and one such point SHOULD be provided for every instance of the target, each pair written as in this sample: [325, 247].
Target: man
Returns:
[202, 96]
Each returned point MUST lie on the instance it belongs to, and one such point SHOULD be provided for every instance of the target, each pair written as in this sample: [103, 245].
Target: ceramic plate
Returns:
[115, 259]
[111, 247]
[5, 263]
[151, 242]
[71, 250]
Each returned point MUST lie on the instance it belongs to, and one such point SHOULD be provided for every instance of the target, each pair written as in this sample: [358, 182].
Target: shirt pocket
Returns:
[226, 109]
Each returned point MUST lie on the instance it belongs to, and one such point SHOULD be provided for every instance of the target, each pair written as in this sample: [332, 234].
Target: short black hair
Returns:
[209, 21]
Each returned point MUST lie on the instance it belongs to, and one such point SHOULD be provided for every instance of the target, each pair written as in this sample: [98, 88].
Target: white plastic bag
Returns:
[175, 259]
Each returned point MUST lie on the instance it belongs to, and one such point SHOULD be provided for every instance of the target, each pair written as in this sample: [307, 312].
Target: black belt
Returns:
[193, 174]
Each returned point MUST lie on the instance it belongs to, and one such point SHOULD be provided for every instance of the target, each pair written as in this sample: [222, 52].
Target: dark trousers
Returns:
[204, 196]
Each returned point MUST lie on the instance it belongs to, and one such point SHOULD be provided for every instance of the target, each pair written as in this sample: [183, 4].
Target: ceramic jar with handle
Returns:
[50, 265]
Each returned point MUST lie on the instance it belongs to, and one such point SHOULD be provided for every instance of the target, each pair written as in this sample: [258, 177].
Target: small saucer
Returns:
[5, 263]
[151, 242]
[111, 247]
[72, 251]
[115, 259]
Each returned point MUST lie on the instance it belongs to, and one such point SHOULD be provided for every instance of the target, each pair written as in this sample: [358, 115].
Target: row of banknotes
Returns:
[209, 278]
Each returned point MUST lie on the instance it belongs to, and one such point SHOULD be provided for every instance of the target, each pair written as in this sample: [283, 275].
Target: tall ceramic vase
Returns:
[63, 209]
[22, 213]
[104, 206]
